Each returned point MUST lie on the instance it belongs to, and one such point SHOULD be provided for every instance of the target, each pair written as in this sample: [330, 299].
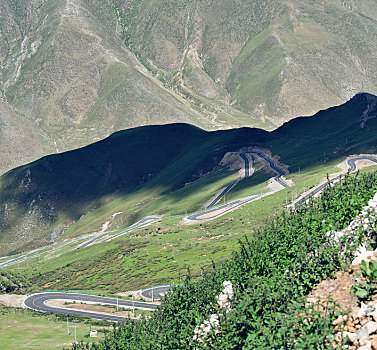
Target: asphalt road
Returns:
[247, 164]
[222, 194]
[90, 241]
[352, 162]
[35, 253]
[223, 209]
[141, 223]
[158, 292]
[37, 302]
[281, 172]
[96, 239]
[246, 159]
[352, 168]
[21, 258]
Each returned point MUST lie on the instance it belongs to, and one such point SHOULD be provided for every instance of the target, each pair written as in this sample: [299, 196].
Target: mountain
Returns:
[75, 71]
[66, 71]
[20, 141]
[138, 171]
[277, 59]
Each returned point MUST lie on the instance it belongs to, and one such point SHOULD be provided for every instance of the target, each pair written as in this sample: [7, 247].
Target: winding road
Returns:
[39, 302]
[352, 168]
[244, 155]
[225, 208]
[155, 293]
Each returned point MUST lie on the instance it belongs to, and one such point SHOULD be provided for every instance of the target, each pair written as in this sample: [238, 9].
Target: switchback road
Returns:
[157, 292]
[225, 208]
[39, 302]
[352, 168]
[141, 223]
[245, 156]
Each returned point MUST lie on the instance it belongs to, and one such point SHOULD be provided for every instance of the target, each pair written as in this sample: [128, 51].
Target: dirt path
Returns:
[12, 300]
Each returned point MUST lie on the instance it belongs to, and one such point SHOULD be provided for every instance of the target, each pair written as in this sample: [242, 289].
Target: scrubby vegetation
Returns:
[272, 273]
[9, 283]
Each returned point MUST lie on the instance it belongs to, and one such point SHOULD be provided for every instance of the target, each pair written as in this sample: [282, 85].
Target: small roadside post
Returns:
[133, 306]
[75, 321]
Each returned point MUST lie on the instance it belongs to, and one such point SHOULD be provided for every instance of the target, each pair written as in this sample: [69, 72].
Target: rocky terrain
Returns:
[74, 71]
[357, 325]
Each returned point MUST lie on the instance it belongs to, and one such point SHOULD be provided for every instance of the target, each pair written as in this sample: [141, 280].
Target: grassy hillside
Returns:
[44, 332]
[272, 272]
[159, 253]
[160, 170]
[346, 129]
[43, 199]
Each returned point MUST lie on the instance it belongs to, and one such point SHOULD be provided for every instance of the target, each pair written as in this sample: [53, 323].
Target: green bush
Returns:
[272, 273]
[366, 288]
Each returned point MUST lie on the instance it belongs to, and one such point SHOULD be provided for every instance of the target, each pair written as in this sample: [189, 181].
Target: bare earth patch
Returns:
[338, 289]
[13, 300]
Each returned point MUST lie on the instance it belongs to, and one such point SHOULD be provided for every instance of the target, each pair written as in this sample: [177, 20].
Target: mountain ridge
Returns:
[133, 170]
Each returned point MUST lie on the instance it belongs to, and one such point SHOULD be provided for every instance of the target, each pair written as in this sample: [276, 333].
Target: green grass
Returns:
[157, 254]
[114, 76]
[156, 201]
[165, 170]
[256, 72]
[23, 329]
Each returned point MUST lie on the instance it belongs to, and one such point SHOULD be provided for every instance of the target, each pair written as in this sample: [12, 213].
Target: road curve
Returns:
[157, 292]
[352, 168]
[352, 162]
[280, 171]
[38, 302]
[244, 155]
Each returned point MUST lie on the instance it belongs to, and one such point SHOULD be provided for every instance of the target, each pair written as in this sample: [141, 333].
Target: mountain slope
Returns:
[133, 171]
[79, 70]
[66, 70]
[278, 59]
[20, 141]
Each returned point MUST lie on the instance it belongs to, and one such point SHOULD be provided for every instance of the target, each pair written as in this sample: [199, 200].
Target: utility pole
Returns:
[117, 303]
[74, 321]
[67, 327]
[152, 295]
[179, 278]
[133, 306]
